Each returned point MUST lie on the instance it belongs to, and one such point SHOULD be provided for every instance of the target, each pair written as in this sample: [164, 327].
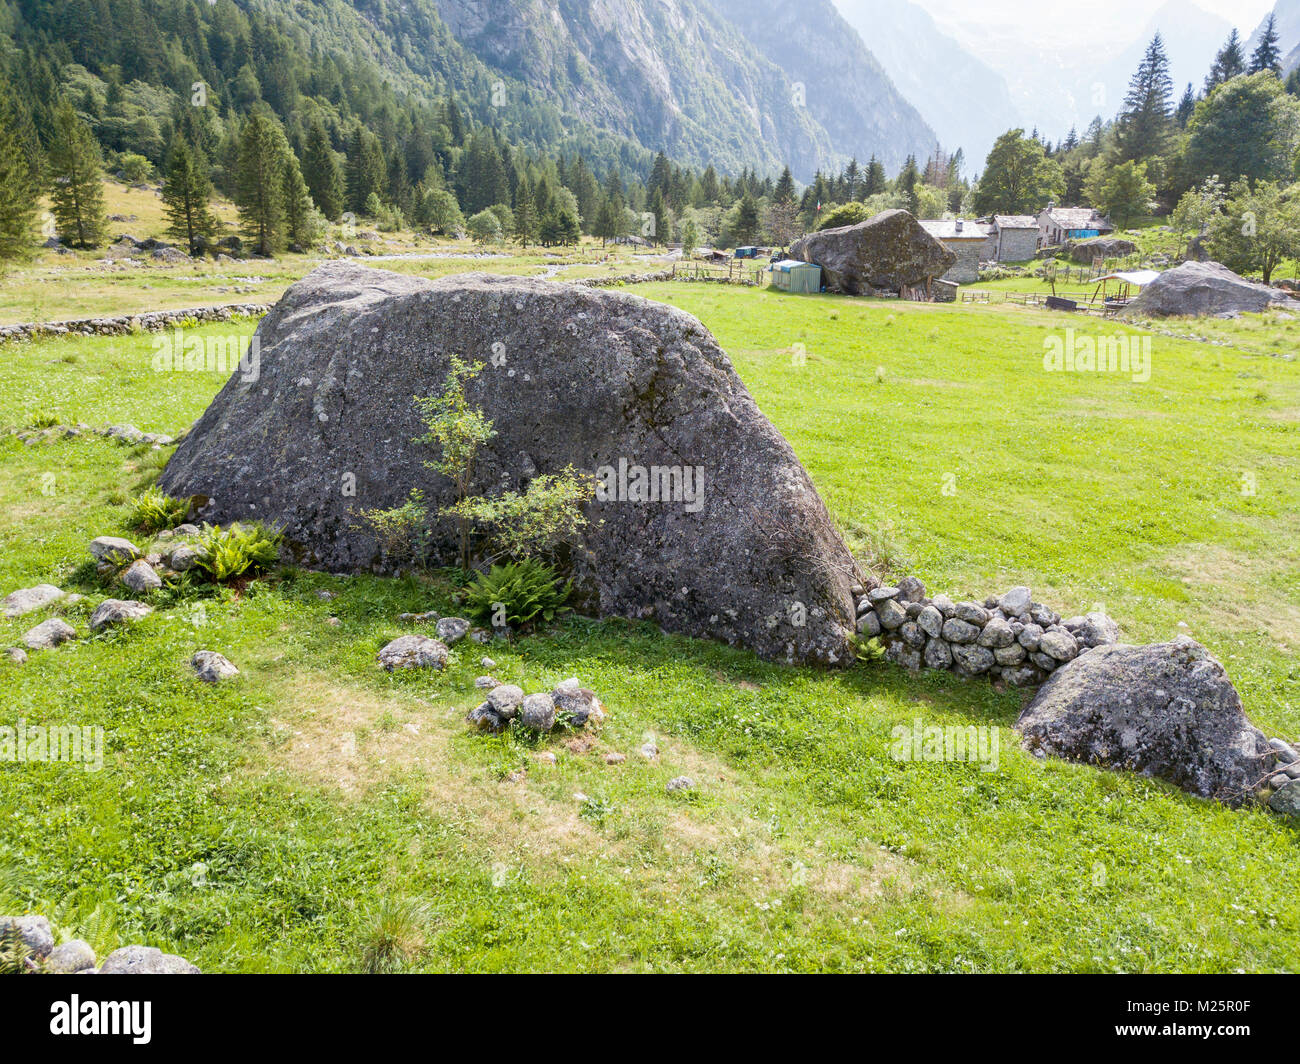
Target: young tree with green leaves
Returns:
[186, 195]
[1018, 177]
[1247, 127]
[77, 181]
[1259, 228]
[1121, 191]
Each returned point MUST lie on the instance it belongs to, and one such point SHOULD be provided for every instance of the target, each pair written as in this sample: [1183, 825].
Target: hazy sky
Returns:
[1245, 14]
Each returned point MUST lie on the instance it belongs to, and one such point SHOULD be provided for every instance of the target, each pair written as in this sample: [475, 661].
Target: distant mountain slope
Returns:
[957, 92]
[846, 89]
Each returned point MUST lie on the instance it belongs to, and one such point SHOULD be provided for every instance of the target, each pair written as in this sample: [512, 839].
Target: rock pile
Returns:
[27, 945]
[568, 705]
[127, 434]
[1010, 637]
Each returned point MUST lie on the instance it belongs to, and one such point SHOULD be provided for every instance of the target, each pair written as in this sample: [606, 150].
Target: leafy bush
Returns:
[154, 510]
[548, 512]
[228, 553]
[402, 531]
[517, 593]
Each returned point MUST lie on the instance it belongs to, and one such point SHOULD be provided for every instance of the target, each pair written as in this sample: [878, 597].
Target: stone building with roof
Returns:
[1056, 224]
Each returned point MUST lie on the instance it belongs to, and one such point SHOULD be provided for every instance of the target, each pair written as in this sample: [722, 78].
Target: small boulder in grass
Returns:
[117, 611]
[615, 758]
[145, 960]
[452, 630]
[212, 667]
[69, 958]
[17, 655]
[414, 652]
[577, 704]
[28, 599]
[506, 699]
[114, 549]
[678, 784]
[486, 683]
[485, 718]
[184, 557]
[140, 577]
[537, 712]
[34, 931]
[49, 634]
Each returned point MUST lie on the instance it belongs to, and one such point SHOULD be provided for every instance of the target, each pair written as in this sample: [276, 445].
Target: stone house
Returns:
[966, 239]
[1015, 238]
[1056, 224]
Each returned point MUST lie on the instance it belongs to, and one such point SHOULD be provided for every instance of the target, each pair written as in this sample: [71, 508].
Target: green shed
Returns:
[791, 275]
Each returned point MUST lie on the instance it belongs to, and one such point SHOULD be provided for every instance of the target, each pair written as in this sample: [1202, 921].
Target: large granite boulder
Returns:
[1166, 710]
[1198, 288]
[1100, 247]
[884, 253]
[732, 542]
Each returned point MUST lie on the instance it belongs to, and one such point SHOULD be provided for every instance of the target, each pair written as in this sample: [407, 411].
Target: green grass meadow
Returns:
[317, 814]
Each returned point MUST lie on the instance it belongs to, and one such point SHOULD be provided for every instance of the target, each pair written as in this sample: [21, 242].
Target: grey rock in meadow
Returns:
[428, 617]
[49, 634]
[1200, 288]
[1286, 800]
[578, 702]
[1059, 644]
[609, 382]
[937, 655]
[911, 589]
[678, 784]
[972, 659]
[485, 718]
[28, 599]
[145, 960]
[537, 712]
[956, 630]
[1030, 636]
[1016, 601]
[486, 683]
[452, 630]
[183, 557]
[930, 621]
[505, 700]
[211, 667]
[883, 253]
[997, 633]
[67, 958]
[118, 611]
[33, 930]
[1166, 710]
[1092, 629]
[891, 614]
[413, 652]
[140, 577]
[114, 549]
[487, 663]
[17, 655]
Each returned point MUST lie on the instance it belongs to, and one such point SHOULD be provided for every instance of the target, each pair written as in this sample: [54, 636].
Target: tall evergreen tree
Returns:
[1228, 63]
[1146, 121]
[1186, 107]
[1267, 55]
[186, 194]
[77, 180]
[366, 171]
[320, 169]
[784, 191]
[525, 213]
[259, 191]
[300, 219]
[18, 186]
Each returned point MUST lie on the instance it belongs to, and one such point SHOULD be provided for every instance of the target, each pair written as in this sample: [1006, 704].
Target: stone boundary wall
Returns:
[150, 321]
[1009, 637]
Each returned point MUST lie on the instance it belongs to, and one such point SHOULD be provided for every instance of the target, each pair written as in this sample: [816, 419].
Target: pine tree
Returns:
[1267, 55]
[259, 191]
[77, 176]
[876, 182]
[18, 187]
[907, 181]
[784, 191]
[1186, 107]
[300, 218]
[366, 170]
[1146, 121]
[185, 195]
[525, 213]
[320, 169]
[1228, 63]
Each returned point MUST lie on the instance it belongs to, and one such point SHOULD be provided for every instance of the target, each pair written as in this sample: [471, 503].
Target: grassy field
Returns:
[318, 814]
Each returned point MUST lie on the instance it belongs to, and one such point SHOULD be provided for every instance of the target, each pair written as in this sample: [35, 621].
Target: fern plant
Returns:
[154, 510]
[517, 593]
[239, 549]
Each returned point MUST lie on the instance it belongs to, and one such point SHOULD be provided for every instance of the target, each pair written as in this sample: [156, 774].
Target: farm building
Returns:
[1015, 237]
[967, 240]
[791, 275]
[1059, 224]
